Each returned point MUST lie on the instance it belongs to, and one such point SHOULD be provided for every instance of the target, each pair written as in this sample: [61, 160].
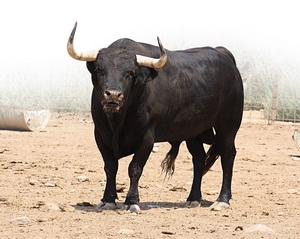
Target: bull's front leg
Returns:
[111, 168]
[135, 171]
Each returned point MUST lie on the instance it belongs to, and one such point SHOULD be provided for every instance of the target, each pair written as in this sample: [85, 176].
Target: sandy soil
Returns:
[51, 180]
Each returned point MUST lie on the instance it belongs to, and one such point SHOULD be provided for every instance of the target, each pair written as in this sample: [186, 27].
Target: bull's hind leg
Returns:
[197, 151]
[227, 151]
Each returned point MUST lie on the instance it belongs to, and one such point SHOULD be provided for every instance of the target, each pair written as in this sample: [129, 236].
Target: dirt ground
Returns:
[51, 180]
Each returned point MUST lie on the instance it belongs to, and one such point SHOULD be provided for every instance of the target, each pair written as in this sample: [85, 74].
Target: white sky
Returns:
[35, 30]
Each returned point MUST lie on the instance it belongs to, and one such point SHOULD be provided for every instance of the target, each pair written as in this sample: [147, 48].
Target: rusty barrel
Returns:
[23, 120]
[296, 138]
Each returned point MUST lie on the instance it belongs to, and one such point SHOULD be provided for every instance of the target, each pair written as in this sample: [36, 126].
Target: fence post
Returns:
[274, 97]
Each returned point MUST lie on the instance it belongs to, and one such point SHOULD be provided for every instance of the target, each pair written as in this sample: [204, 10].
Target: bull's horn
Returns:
[152, 62]
[78, 55]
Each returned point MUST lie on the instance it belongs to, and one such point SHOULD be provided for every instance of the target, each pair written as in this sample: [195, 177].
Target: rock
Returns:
[52, 207]
[178, 189]
[292, 191]
[280, 213]
[296, 158]
[155, 148]
[259, 228]
[120, 188]
[168, 233]
[33, 182]
[83, 178]
[239, 228]
[20, 221]
[49, 185]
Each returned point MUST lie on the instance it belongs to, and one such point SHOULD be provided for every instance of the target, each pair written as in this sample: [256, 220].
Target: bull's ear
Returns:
[146, 73]
[153, 73]
[91, 66]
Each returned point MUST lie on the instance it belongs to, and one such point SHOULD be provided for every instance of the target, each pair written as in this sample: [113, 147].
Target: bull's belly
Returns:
[180, 133]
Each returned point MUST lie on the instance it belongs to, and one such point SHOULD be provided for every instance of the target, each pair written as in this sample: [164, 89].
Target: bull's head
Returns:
[114, 71]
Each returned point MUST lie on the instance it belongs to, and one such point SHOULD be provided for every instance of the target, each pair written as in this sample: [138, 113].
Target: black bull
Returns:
[196, 96]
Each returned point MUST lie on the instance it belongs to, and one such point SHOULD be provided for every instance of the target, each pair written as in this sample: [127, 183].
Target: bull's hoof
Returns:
[193, 204]
[131, 208]
[219, 206]
[106, 206]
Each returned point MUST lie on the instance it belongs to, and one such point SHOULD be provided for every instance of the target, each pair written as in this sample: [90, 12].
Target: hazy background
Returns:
[36, 71]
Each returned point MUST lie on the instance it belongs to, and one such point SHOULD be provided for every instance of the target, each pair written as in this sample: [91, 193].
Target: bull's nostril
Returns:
[106, 93]
[120, 95]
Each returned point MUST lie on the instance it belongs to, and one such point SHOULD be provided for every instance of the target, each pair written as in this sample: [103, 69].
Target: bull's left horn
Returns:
[78, 55]
[152, 62]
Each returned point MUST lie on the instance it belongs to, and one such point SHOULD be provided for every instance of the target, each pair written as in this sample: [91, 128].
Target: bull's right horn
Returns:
[78, 55]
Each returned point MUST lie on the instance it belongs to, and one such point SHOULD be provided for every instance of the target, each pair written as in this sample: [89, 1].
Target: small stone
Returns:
[120, 188]
[50, 185]
[292, 191]
[20, 221]
[239, 228]
[83, 178]
[259, 228]
[52, 207]
[178, 189]
[296, 158]
[168, 233]
[280, 213]
[265, 213]
[155, 148]
[33, 182]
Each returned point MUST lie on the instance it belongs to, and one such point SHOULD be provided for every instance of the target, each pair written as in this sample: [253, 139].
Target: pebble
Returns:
[292, 191]
[280, 213]
[83, 178]
[168, 233]
[296, 158]
[155, 148]
[20, 221]
[259, 228]
[33, 182]
[49, 184]
[178, 189]
[120, 188]
[52, 207]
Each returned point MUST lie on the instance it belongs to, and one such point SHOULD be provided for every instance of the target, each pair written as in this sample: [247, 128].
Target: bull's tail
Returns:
[211, 156]
[168, 164]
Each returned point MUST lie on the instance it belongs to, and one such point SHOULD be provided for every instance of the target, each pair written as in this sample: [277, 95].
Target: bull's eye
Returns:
[130, 75]
[99, 71]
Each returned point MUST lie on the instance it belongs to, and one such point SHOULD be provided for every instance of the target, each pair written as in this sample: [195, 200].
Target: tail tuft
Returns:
[211, 156]
[168, 164]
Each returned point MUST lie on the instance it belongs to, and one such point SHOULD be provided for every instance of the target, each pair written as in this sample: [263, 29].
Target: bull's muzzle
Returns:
[113, 101]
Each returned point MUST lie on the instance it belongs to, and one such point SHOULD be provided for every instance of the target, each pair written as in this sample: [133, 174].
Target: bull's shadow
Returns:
[144, 206]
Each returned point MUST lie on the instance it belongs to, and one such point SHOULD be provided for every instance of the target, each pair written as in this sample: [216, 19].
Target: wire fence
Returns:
[272, 101]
